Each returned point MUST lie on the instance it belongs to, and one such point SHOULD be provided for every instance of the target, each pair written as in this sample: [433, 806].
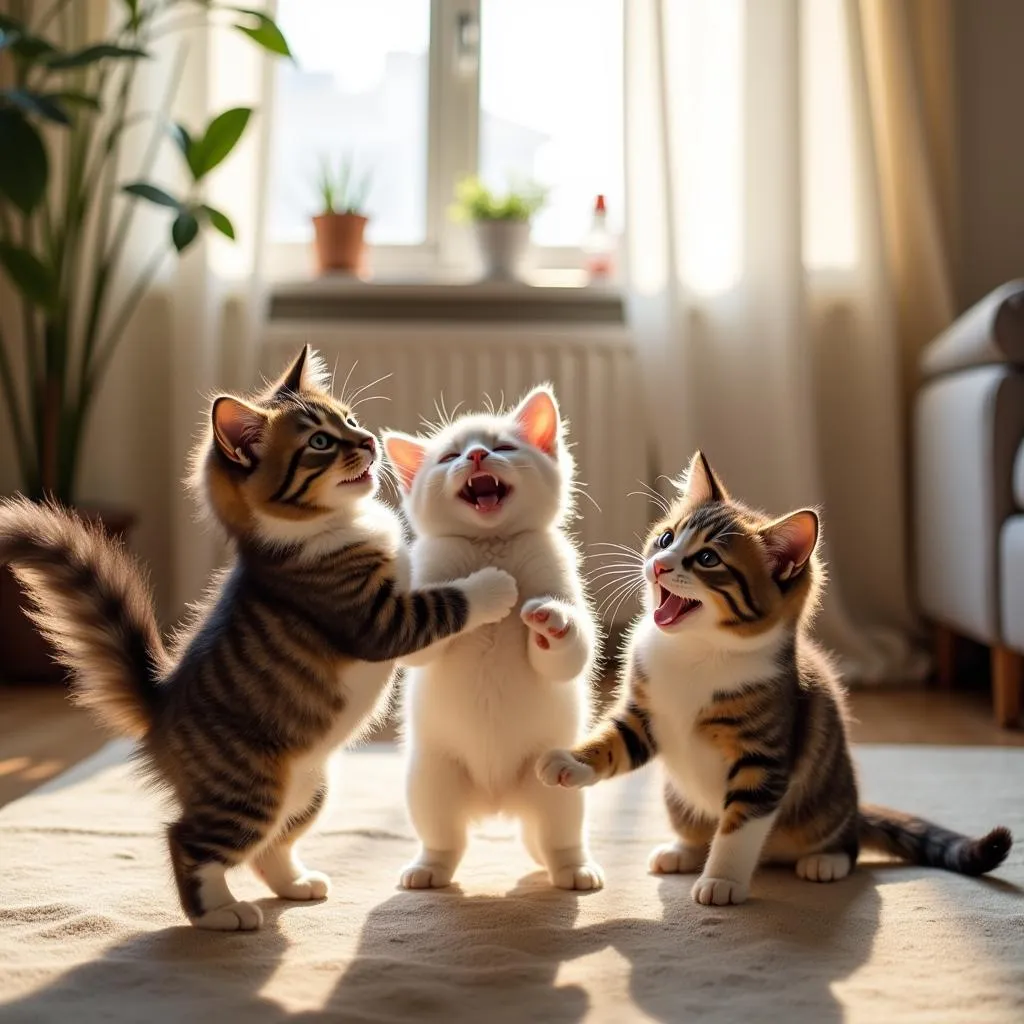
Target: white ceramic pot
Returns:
[502, 245]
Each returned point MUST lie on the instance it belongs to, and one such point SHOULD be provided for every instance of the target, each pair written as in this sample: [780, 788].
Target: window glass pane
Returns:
[359, 91]
[551, 107]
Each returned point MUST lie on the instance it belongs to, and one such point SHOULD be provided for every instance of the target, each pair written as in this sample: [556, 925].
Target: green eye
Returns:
[320, 441]
[708, 558]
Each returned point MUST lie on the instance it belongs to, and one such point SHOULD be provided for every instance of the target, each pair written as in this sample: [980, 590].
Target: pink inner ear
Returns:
[406, 455]
[237, 428]
[537, 418]
[791, 541]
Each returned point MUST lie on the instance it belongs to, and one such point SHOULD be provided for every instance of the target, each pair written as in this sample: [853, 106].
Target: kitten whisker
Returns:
[348, 377]
[366, 387]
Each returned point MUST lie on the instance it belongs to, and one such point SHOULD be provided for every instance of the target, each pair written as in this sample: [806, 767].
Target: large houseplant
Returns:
[64, 110]
[65, 214]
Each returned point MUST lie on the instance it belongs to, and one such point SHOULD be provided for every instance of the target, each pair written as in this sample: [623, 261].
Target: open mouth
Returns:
[485, 492]
[671, 608]
[361, 479]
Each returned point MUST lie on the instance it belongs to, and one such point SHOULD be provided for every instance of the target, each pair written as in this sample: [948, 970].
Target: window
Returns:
[417, 93]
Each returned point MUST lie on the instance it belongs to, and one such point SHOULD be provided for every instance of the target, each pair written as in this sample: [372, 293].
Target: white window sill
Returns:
[543, 296]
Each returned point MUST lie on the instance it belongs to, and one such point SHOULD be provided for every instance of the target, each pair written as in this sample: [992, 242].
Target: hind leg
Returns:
[278, 863]
[687, 854]
[439, 795]
[554, 828]
[201, 853]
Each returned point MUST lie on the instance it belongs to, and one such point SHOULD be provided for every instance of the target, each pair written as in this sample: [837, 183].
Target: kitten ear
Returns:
[237, 428]
[538, 419]
[406, 454]
[791, 542]
[700, 483]
[306, 373]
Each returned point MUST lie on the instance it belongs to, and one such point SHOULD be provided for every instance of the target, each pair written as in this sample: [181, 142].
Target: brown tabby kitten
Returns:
[724, 681]
[288, 656]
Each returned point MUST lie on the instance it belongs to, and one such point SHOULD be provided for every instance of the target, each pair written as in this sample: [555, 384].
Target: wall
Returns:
[991, 144]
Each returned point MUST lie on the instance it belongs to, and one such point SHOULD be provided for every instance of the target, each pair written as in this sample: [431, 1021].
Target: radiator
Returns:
[592, 368]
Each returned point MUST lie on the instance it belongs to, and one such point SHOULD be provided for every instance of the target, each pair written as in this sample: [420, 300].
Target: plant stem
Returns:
[49, 16]
[21, 443]
[112, 255]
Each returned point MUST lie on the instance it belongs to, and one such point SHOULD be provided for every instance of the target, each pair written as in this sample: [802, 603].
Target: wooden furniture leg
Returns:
[1007, 686]
[945, 657]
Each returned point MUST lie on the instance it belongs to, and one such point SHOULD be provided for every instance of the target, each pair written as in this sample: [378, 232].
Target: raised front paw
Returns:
[719, 892]
[548, 621]
[560, 768]
[492, 594]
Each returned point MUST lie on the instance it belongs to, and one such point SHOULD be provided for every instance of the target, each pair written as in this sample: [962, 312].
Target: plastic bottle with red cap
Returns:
[599, 246]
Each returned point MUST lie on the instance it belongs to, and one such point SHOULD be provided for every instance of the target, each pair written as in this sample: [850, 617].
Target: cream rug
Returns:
[89, 929]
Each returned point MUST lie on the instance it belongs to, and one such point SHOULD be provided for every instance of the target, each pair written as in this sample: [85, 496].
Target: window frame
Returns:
[453, 124]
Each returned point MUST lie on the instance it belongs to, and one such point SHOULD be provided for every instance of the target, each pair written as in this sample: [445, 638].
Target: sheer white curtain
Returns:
[760, 290]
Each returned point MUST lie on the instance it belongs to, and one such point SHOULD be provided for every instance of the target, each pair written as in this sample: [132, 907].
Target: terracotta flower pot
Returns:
[339, 242]
[25, 657]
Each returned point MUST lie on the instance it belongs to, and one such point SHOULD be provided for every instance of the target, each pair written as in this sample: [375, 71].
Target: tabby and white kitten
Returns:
[723, 680]
[289, 655]
[479, 710]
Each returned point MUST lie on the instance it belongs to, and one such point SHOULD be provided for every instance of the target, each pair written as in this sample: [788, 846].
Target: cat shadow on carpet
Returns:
[440, 955]
[175, 974]
[444, 956]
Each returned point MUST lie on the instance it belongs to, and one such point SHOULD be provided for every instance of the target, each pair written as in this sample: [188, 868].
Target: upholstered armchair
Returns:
[969, 490]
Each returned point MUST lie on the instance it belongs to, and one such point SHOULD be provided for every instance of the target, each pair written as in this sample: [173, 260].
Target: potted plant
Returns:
[501, 223]
[341, 223]
[65, 215]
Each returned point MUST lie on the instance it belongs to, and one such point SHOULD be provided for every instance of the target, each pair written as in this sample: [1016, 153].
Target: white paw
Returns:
[492, 594]
[676, 859]
[235, 917]
[578, 876]
[425, 876]
[560, 768]
[823, 867]
[310, 885]
[549, 623]
[718, 892]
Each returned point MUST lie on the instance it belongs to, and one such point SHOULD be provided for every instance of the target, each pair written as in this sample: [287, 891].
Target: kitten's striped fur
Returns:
[723, 681]
[288, 656]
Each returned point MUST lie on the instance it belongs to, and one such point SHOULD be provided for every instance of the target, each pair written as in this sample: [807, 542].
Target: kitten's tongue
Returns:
[487, 500]
[668, 611]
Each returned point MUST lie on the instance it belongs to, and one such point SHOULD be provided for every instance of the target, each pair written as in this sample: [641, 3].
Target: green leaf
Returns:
[29, 275]
[153, 194]
[36, 103]
[8, 37]
[28, 49]
[75, 99]
[222, 133]
[265, 33]
[22, 181]
[179, 133]
[184, 230]
[133, 12]
[92, 54]
[220, 222]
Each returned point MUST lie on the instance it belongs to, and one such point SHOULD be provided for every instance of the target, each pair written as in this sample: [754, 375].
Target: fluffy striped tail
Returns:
[92, 602]
[922, 842]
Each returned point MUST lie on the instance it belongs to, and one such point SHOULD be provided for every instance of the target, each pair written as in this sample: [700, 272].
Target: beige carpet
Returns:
[89, 929]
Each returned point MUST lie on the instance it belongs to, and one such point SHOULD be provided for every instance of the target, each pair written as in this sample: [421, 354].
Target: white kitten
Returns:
[495, 490]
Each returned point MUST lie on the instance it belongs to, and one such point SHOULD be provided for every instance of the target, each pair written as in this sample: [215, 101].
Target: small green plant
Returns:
[341, 191]
[474, 201]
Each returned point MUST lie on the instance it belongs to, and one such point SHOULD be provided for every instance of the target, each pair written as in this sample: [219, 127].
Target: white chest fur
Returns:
[481, 701]
[683, 678]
